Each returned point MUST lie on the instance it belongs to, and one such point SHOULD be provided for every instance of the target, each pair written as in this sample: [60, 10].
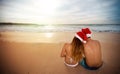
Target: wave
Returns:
[61, 27]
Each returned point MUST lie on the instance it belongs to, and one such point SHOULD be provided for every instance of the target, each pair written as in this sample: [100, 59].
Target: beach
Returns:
[39, 53]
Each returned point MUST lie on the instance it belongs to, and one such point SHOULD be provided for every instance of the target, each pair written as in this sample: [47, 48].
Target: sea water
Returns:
[61, 27]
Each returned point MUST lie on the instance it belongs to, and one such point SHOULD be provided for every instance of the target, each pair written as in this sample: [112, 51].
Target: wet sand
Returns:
[39, 53]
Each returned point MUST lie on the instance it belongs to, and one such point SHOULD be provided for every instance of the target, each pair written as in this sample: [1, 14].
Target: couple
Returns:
[82, 50]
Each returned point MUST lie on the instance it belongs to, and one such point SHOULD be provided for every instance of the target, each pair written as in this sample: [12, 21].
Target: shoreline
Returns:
[52, 37]
[60, 27]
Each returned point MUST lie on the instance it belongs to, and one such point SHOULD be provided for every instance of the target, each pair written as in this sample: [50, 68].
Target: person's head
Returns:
[77, 45]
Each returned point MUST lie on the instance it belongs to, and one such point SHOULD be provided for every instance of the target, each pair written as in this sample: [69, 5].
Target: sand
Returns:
[39, 53]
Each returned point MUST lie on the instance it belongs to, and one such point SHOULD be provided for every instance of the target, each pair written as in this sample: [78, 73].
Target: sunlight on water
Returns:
[49, 35]
[49, 27]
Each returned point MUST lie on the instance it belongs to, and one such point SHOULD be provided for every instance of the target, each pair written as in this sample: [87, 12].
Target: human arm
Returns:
[63, 52]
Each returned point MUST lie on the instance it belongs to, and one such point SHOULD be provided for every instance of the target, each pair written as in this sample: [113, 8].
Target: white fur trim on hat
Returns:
[88, 35]
[80, 38]
[84, 41]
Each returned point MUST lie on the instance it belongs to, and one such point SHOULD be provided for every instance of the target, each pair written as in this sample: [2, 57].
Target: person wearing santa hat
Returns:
[72, 52]
[92, 52]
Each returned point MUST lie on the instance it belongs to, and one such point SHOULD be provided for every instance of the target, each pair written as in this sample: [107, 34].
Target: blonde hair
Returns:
[77, 49]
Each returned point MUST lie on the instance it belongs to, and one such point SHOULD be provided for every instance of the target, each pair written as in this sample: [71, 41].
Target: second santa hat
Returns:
[87, 32]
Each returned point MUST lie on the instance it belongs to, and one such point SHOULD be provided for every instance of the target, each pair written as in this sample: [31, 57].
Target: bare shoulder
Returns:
[92, 43]
[66, 43]
[67, 46]
[97, 42]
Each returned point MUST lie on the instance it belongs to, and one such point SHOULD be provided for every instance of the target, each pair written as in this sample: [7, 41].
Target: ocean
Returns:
[61, 27]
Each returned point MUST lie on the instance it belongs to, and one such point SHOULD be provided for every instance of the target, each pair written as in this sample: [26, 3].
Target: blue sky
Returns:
[60, 11]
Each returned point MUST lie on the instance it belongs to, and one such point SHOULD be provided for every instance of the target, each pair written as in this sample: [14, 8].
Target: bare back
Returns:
[67, 53]
[92, 52]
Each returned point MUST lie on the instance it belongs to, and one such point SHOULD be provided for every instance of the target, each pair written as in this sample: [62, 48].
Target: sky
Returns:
[60, 11]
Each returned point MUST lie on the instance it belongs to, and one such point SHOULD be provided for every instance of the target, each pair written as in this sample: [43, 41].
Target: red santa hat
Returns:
[81, 36]
[87, 32]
